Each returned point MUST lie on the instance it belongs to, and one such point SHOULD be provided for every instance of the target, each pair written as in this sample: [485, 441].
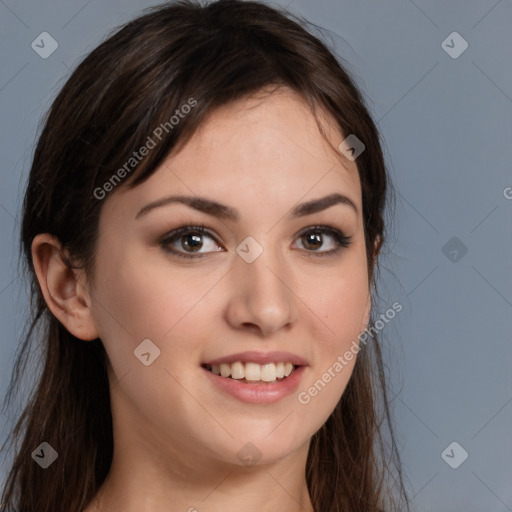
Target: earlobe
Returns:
[65, 296]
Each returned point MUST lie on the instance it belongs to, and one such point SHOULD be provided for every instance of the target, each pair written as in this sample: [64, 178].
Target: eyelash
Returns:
[342, 240]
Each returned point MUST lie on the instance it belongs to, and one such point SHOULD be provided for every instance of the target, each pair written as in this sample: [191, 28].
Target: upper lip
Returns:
[260, 358]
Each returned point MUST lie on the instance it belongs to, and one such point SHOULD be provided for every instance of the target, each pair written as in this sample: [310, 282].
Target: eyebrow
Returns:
[222, 211]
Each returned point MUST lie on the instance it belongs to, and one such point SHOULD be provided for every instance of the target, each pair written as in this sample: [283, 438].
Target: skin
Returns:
[176, 436]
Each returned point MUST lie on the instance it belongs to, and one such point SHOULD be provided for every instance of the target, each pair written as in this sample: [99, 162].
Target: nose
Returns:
[262, 295]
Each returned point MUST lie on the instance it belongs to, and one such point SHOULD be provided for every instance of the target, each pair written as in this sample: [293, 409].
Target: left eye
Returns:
[191, 241]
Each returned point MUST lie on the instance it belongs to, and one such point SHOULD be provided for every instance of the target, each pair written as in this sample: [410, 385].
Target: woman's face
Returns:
[259, 280]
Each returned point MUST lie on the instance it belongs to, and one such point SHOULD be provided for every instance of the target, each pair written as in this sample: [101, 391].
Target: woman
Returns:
[201, 227]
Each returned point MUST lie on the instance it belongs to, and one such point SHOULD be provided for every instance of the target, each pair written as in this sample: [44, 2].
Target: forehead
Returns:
[266, 149]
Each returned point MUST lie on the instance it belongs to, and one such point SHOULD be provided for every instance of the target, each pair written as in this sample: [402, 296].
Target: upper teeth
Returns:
[253, 371]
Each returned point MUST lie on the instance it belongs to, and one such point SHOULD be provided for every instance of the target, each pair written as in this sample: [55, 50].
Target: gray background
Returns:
[447, 126]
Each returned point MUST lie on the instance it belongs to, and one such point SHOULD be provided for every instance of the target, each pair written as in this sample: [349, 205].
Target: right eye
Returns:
[187, 237]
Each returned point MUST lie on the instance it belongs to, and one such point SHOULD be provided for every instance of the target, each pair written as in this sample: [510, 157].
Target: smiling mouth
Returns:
[252, 373]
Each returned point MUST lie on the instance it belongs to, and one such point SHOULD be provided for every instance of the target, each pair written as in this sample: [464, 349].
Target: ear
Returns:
[377, 246]
[366, 316]
[63, 288]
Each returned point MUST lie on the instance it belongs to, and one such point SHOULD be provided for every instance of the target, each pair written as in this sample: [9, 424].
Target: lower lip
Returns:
[258, 393]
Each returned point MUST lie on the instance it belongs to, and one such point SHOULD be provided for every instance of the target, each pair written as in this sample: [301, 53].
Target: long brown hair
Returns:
[119, 95]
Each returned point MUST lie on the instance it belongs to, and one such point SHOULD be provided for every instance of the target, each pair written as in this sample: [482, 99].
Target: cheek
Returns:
[145, 298]
[340, 308]
[340, 303]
